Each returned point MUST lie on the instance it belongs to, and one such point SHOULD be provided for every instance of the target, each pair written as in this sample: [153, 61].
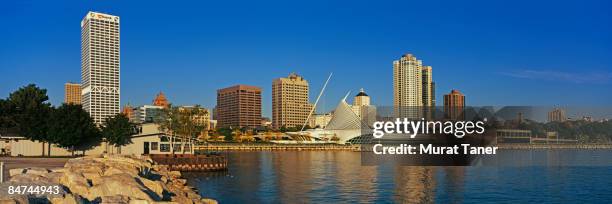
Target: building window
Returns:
[164, 139]
[164, 148]
[154, 145]
[177, 147]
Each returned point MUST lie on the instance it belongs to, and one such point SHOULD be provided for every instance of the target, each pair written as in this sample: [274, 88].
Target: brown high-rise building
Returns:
[290, 106]
[72, 93]
[557, 115]
[239, 106]
[454, 105]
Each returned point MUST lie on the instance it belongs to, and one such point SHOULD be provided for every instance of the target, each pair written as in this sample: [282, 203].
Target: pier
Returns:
[554, 146]
[190, 162]
[274, 147]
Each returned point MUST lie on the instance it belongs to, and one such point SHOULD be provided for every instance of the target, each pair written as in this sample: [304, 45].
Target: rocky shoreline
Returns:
[101, 179]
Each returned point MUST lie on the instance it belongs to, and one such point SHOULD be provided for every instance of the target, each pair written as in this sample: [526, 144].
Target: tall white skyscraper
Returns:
[407, 86]
[100, 65]
[413, 88]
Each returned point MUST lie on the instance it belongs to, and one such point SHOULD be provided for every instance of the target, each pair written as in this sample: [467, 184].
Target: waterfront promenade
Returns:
[274, 147]
[338, 147]
[554, 146]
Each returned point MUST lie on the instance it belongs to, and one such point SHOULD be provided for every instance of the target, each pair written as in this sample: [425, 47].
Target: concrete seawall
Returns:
[276, 147]
[554, 146]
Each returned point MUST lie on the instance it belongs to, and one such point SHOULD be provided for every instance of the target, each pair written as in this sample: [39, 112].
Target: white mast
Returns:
[316, 102]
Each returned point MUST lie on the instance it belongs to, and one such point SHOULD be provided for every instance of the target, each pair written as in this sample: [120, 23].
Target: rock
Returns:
[16, 171]
[66, 199]
[118, 184]
[76, 183]
[163, 179]
[174, 174]
[109, 179]
[54, 177]
[30, 179]
[114, 199]
[20, 199]
[208, 201]
[37, 171]
[155, 186]
[58, 170]
[181, 181]
[139, 202]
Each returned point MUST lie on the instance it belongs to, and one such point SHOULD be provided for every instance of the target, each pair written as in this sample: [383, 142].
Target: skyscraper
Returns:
[454, 105]
[429, 101]
[557, 115]
[100, 65]
[290, 106]
[413, 87]
[239, 106]
[72, 93]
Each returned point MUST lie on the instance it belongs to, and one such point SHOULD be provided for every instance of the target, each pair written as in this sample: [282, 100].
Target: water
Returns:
[338, 177]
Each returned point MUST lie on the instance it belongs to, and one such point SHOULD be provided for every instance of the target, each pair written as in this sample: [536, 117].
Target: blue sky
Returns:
[495, 52]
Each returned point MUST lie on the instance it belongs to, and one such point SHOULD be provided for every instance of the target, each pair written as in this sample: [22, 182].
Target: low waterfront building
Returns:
[149, 140]
[146, 114]
[319, 120]
[513, 136]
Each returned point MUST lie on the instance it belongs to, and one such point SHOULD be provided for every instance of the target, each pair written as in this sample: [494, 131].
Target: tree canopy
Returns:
[118, 130]
[71, 127]
[29, 110]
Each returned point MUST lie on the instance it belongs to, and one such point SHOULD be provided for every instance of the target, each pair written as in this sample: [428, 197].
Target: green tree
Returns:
[29, 110]
[118, 131]
[227, 132]
[168, 123]
[72, 128]
[189, 124]
[181, 122]
[7, 124]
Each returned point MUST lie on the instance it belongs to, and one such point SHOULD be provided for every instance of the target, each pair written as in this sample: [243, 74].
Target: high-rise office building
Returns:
[100, 65]
[239, 106]
[72, 93]
[429, 100]
[413, 87]
[454, 105]
[290, 106]
[557, 115]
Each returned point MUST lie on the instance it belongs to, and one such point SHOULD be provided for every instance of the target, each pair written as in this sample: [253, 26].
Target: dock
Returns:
[191, 162]
[554, 146]
[216, 147]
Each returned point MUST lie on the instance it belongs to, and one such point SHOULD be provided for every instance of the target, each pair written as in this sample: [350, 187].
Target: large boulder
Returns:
[119, 184]
[16, 171]
[76, 183]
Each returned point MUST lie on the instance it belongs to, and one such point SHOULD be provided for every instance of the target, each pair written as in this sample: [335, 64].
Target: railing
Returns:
[189, 162]
[273, 147]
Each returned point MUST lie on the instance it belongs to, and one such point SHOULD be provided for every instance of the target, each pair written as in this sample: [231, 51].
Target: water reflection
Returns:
[314, 177]
[328, 177]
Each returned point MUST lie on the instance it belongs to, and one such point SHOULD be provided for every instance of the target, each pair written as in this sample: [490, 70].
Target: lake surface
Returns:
[328, 177]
